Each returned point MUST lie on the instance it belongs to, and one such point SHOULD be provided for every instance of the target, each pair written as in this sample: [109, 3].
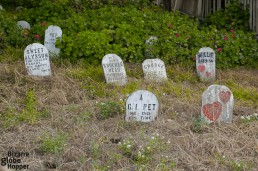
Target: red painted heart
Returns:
[224, 96]
[201, 68]
[208, 74]
[212, 111]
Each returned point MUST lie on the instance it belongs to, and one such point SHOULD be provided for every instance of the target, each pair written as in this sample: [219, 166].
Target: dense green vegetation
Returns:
[93, 29]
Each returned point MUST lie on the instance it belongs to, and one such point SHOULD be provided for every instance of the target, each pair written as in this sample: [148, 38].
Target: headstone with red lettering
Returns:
[205, 64]
[36, 60]
[114, 69]
[23, 24]
[51, 34]
[142, 106]
[154, 69]
[217, 104]
[149, 46]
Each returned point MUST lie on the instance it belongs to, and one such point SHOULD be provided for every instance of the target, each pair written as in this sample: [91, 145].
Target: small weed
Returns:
[198, 125]
[53, 144]
[30, 114]
[109, 109]
[249, 118]
[165, 164]
[234, 164]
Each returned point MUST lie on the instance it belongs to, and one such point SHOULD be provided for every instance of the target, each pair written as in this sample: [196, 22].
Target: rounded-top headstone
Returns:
[142, 106]
[114, 69]
[151, 40]
[217, 104]
[154, 69]
[36, 60]
[205, 64]
[51, 34]
[23, 24]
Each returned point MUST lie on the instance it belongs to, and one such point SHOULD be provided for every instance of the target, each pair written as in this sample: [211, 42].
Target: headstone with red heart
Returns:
[205, 64]
[51, 34]
[154, 70]
[142, 106]
[217, 104]
[114, 69]
[36, 60]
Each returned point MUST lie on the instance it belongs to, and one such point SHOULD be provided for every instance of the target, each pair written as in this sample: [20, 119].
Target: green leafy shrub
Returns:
[89, 33]
[233, 16]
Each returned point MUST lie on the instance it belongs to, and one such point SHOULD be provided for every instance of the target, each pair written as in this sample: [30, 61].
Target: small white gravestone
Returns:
[217, 104]
[36, 59]
[154, 69]
[114, 69]
[23, 25]
[149, 43]
[205, 64]
[51, 33]
[142, 106]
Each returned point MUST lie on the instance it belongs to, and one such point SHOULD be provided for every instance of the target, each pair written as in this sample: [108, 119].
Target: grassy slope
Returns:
[57, 121]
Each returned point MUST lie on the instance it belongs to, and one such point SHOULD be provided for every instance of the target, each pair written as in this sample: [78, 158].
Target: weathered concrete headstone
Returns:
[217, 104]
[154, 69]
[114, 69]
[51, 34]
[149, 43]
[36, 59]
[205, 64]
[23, 24]
[142, 106]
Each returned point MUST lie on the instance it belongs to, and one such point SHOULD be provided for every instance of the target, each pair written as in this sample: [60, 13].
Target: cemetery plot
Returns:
[36, 60]
[154, 69]
[114, 69]
[217, 104]
[51, 34]
[142, 106]
[205, 64]
[23, 24]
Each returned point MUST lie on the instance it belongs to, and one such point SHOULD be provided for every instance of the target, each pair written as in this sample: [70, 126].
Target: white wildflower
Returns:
[242, 117]
[97, 102]
[168, 142]
[119, 143]
[121, 99]
[152, 138]
[223, 157]
[128, 146]
[148, 148]
[255, 114]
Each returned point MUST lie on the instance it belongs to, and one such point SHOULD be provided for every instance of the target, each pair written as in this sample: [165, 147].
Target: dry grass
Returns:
[66, 104]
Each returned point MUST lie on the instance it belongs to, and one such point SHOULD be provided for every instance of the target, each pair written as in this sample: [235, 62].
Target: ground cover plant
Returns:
[73, 120]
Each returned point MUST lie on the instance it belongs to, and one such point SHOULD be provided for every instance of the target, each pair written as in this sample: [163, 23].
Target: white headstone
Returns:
[205, 64]
[149, 43]
[154, 69]
[51, 33]
[217, 104]
[142, 106]
[114, 69]
[23, 24]
[36, 59]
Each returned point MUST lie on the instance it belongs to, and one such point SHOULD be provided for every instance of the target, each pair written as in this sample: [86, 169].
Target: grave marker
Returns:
[205, 64]
[149, 43]
[114, 69]
[36, 60]
[142, 106]
[154, 69]
[51, 34]
[217, 104]
[23, 25]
